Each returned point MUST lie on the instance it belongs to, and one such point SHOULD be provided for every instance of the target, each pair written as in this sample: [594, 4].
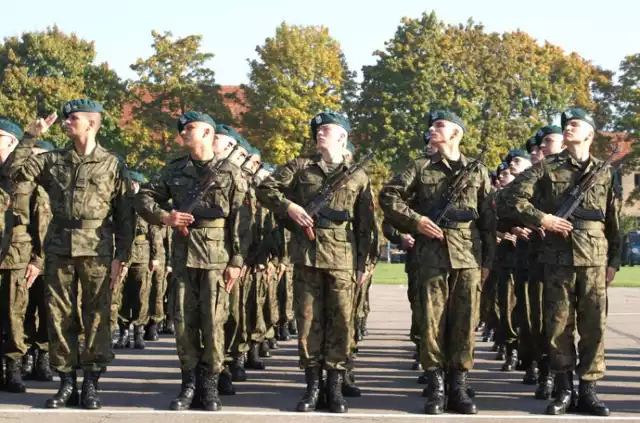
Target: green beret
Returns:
[516, 153]
[7, 126]
[255, 152]
[437, 115]
[81, 105]
[531, 142]
[268, 167]
[224, 129]
[502, 166]
[135, 176]
[351, 148]
[546, 130]
[194, 117]
[45, 145]
[327, 118]
[576, 113]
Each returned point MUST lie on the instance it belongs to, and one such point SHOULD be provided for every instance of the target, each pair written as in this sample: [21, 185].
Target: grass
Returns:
[393, 274]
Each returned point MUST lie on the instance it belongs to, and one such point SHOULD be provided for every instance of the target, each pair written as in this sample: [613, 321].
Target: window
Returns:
[636, 180]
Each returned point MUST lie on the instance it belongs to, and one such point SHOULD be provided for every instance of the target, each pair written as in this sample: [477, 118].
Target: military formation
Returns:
[230, 255]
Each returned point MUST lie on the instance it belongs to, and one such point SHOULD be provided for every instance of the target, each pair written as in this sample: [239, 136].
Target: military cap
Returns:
[502, 166]
[7, 126]
[253, 151]
[546, 130]
[193, 116]
[268, 167]
[531, 142]
[135, 176]
[351, 148]
[576, 113]
[437, 115]
[516, 153]
[45, 145]
[326, 118]
[81, 105]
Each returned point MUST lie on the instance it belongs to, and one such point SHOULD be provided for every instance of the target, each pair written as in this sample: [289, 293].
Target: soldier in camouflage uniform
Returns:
[161, 236]
[325, 278]
[207, 257]
[90, 209]
[35, 322]
[580, 257]
[285, 274]
[450, 258]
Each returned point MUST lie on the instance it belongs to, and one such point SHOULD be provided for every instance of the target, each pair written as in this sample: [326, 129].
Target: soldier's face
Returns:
[239, 157]
[78, 124]
[577, 131]
[331, 137]
[252, 164]
[261, 175]
[7, 141]
[552, 144]
[223, 144]
[195, 133]
[134, 186]
[536, 154]
[506, 178]
[443, 132]
[519, 165]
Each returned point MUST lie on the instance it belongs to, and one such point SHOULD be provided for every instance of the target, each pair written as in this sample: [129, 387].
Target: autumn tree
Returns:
[299, 72]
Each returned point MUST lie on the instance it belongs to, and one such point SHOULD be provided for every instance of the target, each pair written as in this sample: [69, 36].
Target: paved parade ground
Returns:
[140, 384]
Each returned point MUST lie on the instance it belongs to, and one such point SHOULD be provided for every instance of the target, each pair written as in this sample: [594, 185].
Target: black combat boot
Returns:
[3, 370]
[511, 359]
[225, 383]
[28, 361]
[43, 367]
[423, 379]
[486, 334]
[564, 394]
[545, 380]
[358, 330]
[501, 353]
[210, 399]
[253, 361]
[349, 387]
[531, 374]
[89, 395]
[459, 401]
[187, 391]
[293, 327]
[151, 332]
[588, 401]
[14, 381]
[273, 343]
[123, 340]
[238, 373]
[284, 332]
[309, 400]
[264, 349]
[336, 401]
[67, 395]
[434, 392]
[138, 342]
[169, 327]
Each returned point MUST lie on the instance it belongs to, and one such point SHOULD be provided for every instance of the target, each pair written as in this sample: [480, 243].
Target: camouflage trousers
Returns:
[489, 309]
[414, 303]
[78, 297]
[506, 334]
[236, 333]
[324, 311]
[539, 339]
[576, 295]
[361, 297]
[201, 308]
[136, 290]
[285, 295]
[272, 305]
[157, 293]
[14, 297]
[448, 302]
[256, 324]
[35, 321]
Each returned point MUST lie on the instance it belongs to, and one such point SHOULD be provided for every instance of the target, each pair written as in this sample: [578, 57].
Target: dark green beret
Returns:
[253, 151]
[576, 113]
[7, 126]
[531, 142]
[193, 116]
[437, 115]
[135, 176]
[327, 118]
[45, 145]
[546, 130]
[268, 167]
[81, 105]
[502, 166]
[351, 148]
[516, 153]
[224, 129]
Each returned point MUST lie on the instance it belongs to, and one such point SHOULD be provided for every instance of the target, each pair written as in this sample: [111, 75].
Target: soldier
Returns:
[450, 257]
[325, 282]
[90, 208]
[161, 238]
[580, 257]
[35, 323]
[207, 259]
[131, 296]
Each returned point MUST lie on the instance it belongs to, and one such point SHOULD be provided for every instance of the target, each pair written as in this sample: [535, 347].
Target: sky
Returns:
[602, 32]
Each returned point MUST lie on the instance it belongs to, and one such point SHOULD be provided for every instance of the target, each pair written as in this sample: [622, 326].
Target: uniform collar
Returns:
[437, 157]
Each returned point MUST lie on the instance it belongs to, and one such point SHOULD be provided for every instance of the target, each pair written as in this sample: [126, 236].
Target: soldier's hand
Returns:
[407, 242]
[510, 237]
[611, 274]
[169, 269]
[31, 274]
[430, 229]
[243, 272]
[153, 266]
[522, 233]
[176, 218]
[299, 215]
[551, 223]
[484, 274]
[360, 277]
[281, 269]
[231, 275]
[40, 125]
[118, 272]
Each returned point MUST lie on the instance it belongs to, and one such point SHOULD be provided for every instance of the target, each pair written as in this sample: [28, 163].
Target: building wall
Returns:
[629, 183]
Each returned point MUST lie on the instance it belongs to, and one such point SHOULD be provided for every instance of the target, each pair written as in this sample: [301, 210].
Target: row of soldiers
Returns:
[237, 268]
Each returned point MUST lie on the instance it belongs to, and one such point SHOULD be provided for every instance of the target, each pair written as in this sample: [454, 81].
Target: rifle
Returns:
[442, 214]
[570, 207]
[200, 190]
[327, 191]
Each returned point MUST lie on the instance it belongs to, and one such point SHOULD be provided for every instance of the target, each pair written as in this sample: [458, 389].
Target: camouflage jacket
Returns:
[591, 243]
[411, 194]
[214, 239]
[161, 237]
[260, 237]
[88, 201]
[339, 244]
[147, 245]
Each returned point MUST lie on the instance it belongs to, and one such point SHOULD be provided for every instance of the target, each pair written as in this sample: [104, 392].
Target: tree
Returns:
[40, 71]
[504, 86]
[173, 80]
[300, 72]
